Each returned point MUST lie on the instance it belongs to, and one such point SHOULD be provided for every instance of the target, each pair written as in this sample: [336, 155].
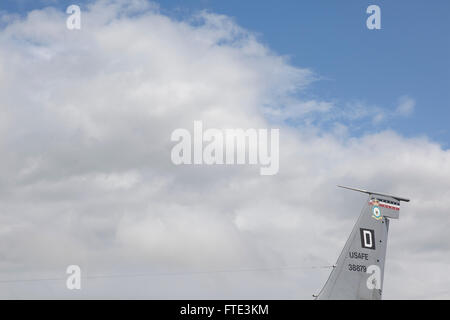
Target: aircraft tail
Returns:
[359, 270]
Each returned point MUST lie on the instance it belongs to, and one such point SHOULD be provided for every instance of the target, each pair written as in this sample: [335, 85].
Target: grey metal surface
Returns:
[359, 270]
[376, 193]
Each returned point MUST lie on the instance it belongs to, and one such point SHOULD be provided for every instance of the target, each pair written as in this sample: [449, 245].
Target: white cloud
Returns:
[405, 106]
[86, 176]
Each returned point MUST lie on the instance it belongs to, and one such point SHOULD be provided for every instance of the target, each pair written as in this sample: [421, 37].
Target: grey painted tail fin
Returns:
[359, 270]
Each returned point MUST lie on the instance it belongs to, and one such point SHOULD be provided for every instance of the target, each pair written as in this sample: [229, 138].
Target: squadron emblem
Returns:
[376, 212]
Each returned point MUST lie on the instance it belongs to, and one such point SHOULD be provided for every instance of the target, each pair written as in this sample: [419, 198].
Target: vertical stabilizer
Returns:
[359, 270]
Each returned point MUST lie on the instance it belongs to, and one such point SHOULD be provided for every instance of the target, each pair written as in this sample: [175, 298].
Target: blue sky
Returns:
[408, 57]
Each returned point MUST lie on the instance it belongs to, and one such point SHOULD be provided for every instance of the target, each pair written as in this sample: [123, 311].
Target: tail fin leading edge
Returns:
[359, 270]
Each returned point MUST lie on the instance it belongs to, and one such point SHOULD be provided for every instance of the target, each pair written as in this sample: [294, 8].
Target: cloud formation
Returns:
[86, 176]
[405, 106]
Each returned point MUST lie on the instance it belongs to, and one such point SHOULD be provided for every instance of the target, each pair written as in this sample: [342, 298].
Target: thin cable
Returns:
[165, 274]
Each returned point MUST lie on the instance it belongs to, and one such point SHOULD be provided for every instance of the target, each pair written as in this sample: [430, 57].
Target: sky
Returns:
[408, 57]
[86, 118]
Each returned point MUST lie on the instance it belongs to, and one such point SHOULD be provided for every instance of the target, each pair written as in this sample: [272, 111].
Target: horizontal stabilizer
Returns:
[376, 193]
